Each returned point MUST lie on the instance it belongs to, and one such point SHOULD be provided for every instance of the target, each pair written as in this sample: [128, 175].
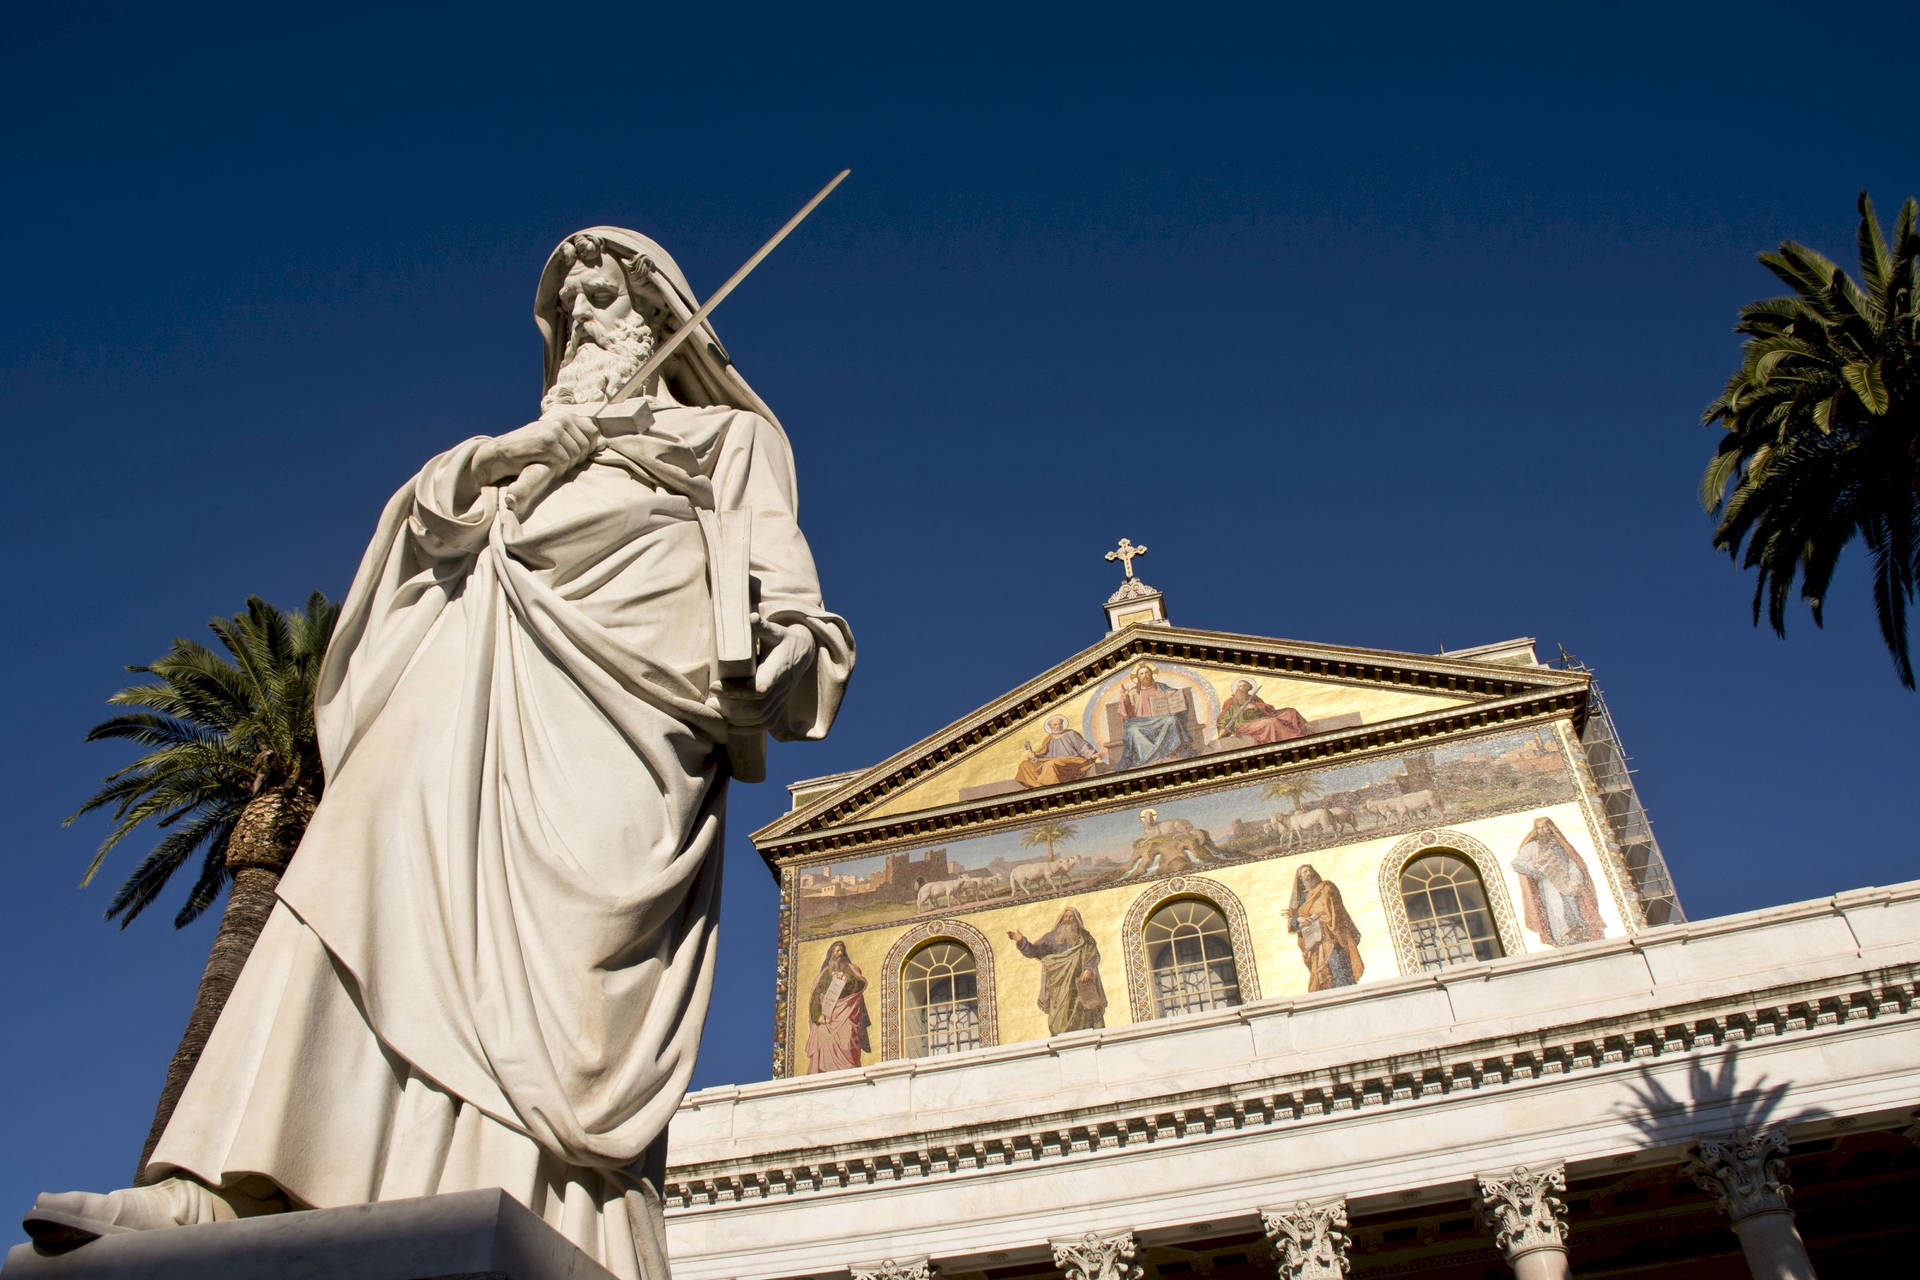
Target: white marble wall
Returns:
[1600, 1056]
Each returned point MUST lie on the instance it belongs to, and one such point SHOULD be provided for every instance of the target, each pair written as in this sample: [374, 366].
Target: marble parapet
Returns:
[1608, 1054]
[472, 1235]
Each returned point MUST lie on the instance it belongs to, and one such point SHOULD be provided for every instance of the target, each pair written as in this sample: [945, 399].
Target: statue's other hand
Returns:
[788, 653]
[561, 440]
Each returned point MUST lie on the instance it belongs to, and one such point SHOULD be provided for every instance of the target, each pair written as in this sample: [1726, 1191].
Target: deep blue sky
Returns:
[1390, 331]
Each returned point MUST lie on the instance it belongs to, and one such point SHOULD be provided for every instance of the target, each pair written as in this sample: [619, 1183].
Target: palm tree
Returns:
[1296, 790]
[231, 774]
[1049, 834]
[1823, 430]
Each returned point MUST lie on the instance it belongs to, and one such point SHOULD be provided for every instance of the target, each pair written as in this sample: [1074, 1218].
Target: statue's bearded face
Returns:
[607, 338]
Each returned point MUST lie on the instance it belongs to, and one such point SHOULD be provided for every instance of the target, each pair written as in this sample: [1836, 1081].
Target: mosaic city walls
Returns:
[1304, 865]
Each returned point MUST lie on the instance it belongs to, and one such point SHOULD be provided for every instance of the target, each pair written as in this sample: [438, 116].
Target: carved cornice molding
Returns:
[1097, 1257]
[1744, 1171]
[1524, 1209]
[1302, 1096]
[1310, 1242]
[911, 1269]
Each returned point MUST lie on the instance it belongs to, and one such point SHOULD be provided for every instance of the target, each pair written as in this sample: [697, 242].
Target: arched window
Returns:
[1447, 911]
[940, 1000]
[1190, 958]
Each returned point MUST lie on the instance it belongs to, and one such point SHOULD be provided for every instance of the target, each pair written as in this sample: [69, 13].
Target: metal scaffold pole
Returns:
[1612, 773]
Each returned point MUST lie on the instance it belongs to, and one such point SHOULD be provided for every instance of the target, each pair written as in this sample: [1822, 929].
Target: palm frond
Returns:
[1874, 259]
[150, 877]
[217, 728]
[1865, 378]
[213, 878]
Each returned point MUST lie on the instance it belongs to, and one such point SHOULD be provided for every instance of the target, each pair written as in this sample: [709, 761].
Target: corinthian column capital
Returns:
[1097, 1257]
[911, 1269]
[1744, 1170]
[1309, 1241]
[1524, 1209]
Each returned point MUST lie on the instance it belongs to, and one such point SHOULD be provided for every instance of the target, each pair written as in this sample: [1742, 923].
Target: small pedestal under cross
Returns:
[1135, 603]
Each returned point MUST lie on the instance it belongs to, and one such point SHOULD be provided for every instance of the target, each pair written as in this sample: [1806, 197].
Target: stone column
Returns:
[911, 1269]
[1528, 1219]
[1309, 1241]
[1098, 1257]
[1747, 1173]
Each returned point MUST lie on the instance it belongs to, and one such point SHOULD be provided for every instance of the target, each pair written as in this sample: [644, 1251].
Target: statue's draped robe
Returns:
[493, 953]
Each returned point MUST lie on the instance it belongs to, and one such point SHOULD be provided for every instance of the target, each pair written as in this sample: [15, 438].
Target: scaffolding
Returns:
[1613, 775]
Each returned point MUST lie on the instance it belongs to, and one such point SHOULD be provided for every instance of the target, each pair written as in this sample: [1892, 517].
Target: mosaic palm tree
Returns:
[1049, 834]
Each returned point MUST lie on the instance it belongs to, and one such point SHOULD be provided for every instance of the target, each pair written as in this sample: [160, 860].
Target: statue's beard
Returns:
[598, 361]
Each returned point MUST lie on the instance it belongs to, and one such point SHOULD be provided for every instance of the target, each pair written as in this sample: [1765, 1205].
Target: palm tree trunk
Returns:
[249, 902]
[258, 851]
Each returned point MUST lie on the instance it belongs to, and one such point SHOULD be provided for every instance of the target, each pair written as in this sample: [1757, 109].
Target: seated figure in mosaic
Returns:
[1064, 755]
[1248, 715]
[1154, 727]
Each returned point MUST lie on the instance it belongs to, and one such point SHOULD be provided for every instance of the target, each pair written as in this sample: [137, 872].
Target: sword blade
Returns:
[527, 488]
[679, 336]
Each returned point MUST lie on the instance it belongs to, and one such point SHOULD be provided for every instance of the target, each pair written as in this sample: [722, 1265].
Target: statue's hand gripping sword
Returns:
[534, 481]
[728, 554]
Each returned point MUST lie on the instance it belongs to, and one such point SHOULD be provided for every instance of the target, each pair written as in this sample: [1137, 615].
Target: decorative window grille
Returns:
[940, 986]
[1190, 959]
[1447, 911]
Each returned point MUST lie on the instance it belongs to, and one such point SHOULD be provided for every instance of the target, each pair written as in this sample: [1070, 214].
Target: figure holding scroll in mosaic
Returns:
[837, 1013]
[1329, 941]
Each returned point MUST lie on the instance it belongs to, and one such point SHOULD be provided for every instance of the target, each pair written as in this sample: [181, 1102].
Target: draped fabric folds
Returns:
[512, 883]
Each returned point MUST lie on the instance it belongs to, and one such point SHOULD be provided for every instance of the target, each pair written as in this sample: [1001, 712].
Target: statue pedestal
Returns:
[474, 1235]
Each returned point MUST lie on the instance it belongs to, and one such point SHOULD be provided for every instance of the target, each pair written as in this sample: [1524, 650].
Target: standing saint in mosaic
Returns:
[492, 956]
[1071, 994]
[837, 1013]
[1329, 941]
[1556, 893]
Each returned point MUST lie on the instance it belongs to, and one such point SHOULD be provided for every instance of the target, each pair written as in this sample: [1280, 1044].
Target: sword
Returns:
[533, 482]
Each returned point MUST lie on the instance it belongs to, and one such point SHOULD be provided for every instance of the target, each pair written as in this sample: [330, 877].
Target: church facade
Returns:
[1204, 953]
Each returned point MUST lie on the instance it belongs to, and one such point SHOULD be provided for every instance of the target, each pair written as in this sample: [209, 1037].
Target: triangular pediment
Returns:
[1209, 697]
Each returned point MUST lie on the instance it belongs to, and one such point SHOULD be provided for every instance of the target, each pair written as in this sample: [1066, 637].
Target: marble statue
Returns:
[492, 956]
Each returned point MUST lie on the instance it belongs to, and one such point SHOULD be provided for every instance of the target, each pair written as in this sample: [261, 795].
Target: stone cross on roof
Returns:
[1134, 602]
[1125, 555]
